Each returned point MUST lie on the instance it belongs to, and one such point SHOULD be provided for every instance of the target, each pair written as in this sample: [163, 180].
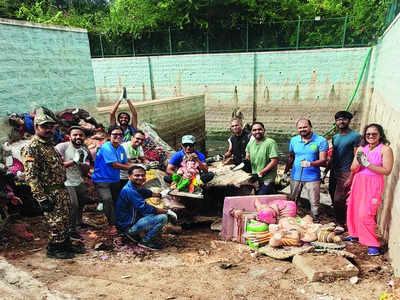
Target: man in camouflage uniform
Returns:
[46, 174]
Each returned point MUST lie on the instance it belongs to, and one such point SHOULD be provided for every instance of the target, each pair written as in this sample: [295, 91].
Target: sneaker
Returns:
[112, 230]
[373, 251]
[100, 206]
[55, 251]
[350, 239]
[134, 237]
[75, 236]
[75, 249]
[149, 245]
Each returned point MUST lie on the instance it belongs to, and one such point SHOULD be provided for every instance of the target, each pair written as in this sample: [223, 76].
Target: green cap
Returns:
[44, 115]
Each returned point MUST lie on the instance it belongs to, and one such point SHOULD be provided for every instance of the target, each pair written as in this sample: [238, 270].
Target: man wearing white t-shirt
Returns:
[76, 160]
[134, 153]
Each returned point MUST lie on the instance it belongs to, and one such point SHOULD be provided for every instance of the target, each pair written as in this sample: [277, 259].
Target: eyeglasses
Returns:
[48, 125]
[187, 145]
[117, 134]
[374, 134]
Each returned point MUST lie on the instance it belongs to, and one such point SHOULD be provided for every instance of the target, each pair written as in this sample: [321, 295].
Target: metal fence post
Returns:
[170, 40]
[133, 45]
[101, 46]
[207, 45]
[247, 36]
[344, 30]
[298, 34]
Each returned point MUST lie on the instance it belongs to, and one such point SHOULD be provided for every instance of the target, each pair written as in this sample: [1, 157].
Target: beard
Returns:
[77, 142]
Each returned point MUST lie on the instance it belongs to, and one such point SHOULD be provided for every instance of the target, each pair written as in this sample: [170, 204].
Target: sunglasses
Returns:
[372, 134]
[187, 145]
[117, 134]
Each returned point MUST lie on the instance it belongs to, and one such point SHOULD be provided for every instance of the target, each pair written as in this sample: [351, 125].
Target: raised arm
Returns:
[113, 120]
[134, 114]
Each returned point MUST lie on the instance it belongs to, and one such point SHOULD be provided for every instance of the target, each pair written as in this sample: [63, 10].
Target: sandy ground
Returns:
[195, 264]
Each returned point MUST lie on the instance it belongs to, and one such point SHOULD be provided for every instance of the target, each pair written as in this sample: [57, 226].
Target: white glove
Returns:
[305, 164]
[172, 214]
[238, 167]
[123, 95]
[151, 165]
[362, 159]
[164, 193]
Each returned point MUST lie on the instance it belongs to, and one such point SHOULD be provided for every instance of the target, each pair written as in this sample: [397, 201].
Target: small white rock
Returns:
[354, 280]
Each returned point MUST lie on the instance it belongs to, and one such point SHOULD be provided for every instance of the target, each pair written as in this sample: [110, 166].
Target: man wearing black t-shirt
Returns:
[237, 142]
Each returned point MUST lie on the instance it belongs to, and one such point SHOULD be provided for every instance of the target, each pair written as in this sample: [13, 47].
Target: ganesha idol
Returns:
[287, 230]
[275, 210]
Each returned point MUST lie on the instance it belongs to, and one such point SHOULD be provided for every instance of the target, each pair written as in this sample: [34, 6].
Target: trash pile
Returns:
[269, 224]
[15, 194]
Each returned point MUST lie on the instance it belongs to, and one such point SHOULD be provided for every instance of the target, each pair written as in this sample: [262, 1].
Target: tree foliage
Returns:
[137, 17]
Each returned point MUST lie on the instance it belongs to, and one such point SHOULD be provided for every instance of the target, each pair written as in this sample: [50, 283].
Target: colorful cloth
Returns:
[307, 151]
[129, 133]
[365, 197]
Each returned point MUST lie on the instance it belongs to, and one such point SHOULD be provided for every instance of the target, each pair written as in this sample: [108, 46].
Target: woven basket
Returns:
[333, 246]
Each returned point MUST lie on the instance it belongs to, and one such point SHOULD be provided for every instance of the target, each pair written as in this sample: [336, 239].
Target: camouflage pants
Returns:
[59, 221]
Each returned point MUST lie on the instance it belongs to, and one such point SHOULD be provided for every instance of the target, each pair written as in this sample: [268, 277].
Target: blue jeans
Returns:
[151, 224]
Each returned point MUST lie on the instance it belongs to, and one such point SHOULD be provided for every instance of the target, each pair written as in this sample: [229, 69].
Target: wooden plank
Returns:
[185, 194]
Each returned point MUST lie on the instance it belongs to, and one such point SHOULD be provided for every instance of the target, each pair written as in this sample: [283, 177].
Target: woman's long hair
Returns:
[382, 138]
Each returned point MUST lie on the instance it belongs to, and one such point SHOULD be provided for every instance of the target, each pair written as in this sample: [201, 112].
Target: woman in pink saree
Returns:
[374, 160]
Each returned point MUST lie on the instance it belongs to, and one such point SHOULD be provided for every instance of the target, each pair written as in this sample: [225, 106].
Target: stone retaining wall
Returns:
[274, 87]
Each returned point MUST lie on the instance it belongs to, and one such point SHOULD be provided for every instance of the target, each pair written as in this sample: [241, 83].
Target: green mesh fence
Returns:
[296, 34]
[392, 12]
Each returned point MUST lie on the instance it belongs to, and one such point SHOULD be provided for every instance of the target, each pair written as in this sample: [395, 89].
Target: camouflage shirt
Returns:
[44, 167]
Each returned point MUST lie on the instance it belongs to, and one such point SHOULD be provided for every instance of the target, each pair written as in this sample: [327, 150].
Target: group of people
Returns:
[357, 164]
[55, 175]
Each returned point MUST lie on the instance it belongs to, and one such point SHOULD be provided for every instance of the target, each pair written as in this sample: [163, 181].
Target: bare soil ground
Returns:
[195, 264]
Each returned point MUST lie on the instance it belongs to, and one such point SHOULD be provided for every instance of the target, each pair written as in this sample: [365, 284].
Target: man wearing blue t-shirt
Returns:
[188, 142]
[345, 144]
[307, 152]
[135, 217]
[110, 159]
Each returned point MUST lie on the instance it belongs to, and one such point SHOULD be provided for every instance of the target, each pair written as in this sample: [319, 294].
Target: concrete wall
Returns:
[44, 65]
[382, 106]
[172, 117]
[282, 86]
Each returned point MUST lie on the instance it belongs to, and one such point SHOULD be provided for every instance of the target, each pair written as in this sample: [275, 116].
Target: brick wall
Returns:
[43, 65]
[286, 85]
[382, 106]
